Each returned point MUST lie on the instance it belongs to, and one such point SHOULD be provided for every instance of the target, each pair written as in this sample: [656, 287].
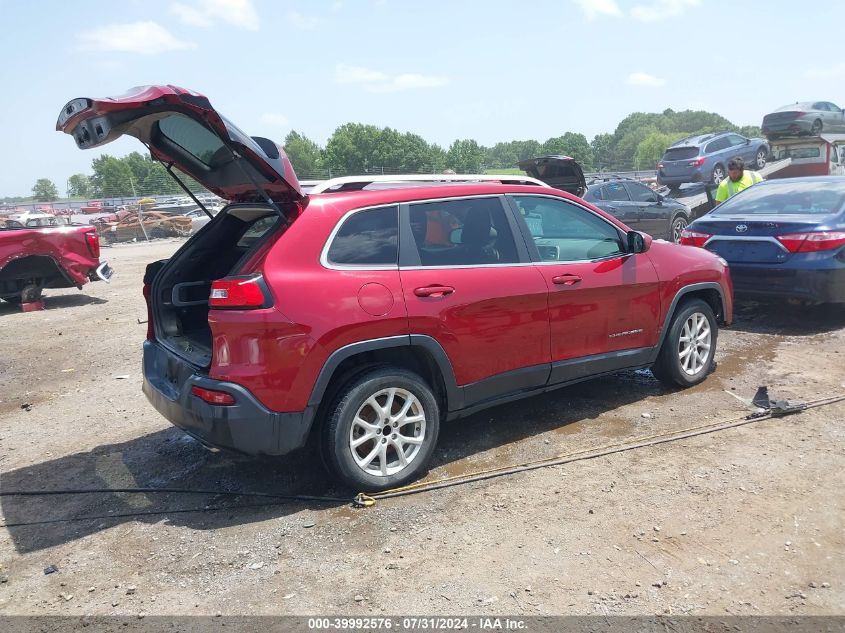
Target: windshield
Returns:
[787, 198]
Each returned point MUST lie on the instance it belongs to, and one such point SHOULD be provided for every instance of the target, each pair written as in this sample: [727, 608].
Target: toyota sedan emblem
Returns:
[741, 228]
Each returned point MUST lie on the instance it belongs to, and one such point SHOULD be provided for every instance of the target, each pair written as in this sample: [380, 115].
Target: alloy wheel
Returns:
[678, 226]
[387, 432]
[695, 344]
[718, 174]
[761, 159]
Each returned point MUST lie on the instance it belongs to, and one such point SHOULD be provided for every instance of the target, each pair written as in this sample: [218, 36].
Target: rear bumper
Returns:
[693, 176]
[795, 126]
[816, 285]
[247, 426]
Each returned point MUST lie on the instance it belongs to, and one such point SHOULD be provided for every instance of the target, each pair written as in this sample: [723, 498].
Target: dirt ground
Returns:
[748, 521]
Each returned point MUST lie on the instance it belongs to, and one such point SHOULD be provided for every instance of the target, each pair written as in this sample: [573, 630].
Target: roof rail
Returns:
[607, 178]
[357, 183]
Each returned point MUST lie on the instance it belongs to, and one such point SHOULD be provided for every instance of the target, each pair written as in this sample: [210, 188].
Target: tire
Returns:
[760, 161]
[718, 174]
[360, 440]
[675, 365]
[679, 223]
[816, 129]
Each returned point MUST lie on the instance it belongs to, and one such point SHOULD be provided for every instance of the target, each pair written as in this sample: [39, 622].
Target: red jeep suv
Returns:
[368, 317]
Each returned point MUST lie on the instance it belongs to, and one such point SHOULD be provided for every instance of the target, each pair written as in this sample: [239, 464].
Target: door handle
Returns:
[566, 280]
[434, 291]
[609, 208]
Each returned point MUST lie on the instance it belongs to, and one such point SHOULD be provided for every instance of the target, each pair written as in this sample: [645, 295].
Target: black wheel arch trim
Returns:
[664, 330]
[454, 394]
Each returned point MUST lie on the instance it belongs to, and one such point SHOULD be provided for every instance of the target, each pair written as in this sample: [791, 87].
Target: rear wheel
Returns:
[718, 174]
[817, 127]
[760, 161]
[679, 223]
[686, 356]
[382, 429]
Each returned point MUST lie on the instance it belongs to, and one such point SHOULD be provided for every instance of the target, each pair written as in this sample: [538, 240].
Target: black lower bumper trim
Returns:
[247, 426]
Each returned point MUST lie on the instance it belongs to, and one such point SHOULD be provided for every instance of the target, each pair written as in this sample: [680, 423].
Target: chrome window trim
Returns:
[746, 238]
[324, 254]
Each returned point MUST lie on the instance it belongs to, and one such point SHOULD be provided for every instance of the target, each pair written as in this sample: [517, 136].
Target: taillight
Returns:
[148, 293]
[213, 397]
[812, 242]
[93, 243]
[693, 238]
[698, 162]
[242, 293]
[660, 165]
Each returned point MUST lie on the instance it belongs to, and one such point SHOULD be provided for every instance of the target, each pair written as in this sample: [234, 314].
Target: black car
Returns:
[628, 200]
[560, 172]
[640, 207]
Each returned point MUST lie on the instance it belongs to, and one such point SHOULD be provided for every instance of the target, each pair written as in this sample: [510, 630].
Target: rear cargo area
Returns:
[181, 289]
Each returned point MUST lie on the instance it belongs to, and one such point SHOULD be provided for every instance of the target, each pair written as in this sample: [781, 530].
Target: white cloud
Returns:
[357, 75]
[204, 13]
[275, 119]
[644, 79]
[662, 9]
[595, 8]
[377, 81]
[829, 72]
[303, 22]
[148, 38]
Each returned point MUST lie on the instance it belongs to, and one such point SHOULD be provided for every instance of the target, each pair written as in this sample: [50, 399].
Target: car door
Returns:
[836, 117]
[604, 303]
[468, 284]
[740, 146]
[654, 216]
[615, 200]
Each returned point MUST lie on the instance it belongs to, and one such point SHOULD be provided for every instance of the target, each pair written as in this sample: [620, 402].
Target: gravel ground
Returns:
[747, 521]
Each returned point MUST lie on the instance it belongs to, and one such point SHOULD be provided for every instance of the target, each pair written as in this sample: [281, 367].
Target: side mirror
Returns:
[748, 141]
[638, 242]
[659, 199]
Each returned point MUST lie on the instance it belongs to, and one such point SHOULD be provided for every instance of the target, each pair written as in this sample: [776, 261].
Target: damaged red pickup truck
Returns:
[32, 259]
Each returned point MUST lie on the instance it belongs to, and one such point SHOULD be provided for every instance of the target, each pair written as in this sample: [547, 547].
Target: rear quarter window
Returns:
[367, 238]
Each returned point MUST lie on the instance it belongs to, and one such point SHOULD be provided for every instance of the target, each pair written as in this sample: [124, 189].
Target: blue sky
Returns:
[487, 70]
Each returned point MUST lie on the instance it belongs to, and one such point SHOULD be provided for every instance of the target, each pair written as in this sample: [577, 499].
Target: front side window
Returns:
[641, 193]
[466, 232]
[367, 238]
[735, 139]
[565, 232]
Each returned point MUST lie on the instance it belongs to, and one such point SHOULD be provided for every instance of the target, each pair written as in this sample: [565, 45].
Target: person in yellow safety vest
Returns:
[737, 180]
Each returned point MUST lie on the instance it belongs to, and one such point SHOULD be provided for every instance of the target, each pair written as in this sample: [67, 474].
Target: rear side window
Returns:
[615, 192]
[466, 232]
[366, 238]
[641, 193]
[680, 153]
[718, 145]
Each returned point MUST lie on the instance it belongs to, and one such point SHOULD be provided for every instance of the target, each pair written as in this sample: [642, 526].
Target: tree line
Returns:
[638, 142]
